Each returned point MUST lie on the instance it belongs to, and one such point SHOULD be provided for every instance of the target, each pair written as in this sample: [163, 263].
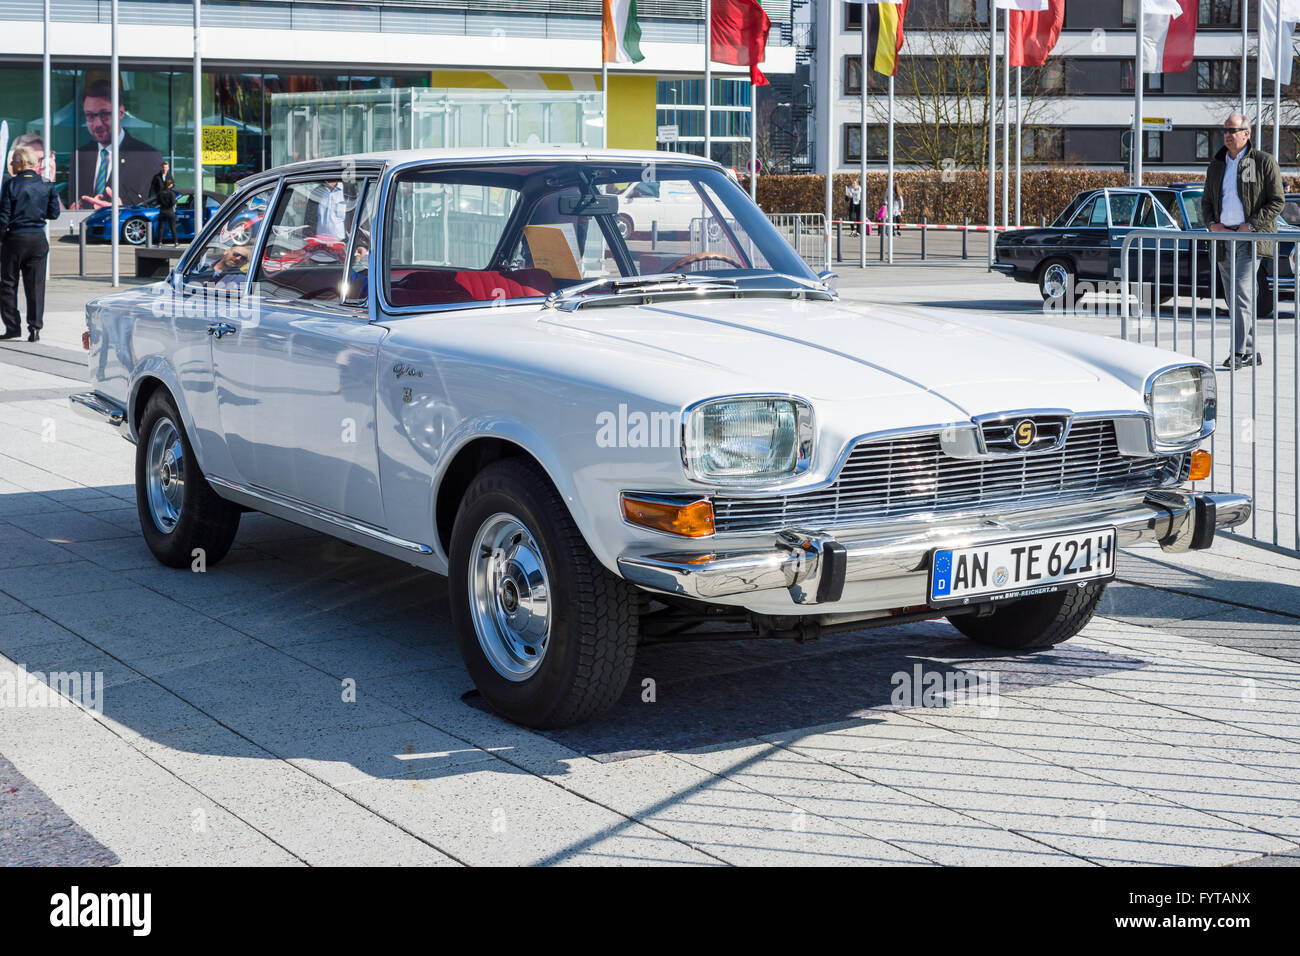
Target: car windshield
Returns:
[497, 231]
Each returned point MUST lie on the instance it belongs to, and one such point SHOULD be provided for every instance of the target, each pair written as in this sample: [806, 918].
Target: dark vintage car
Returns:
[139, 223]
[1085, 241]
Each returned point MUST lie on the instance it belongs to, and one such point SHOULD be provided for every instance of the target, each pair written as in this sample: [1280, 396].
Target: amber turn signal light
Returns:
[691, 520]
[1202, 461]
[85, 340]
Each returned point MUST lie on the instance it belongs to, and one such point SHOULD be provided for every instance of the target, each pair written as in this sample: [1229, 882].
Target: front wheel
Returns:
[181, 517]
[547, 633]
[1055, 280]
[135, 231]
[1034, 622]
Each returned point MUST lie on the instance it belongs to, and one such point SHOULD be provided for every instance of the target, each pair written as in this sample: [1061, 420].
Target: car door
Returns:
[1085, 239]
[297, 379]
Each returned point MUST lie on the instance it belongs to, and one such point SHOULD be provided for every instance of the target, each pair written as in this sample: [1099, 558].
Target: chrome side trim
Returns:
[320, 514]
[95, 406]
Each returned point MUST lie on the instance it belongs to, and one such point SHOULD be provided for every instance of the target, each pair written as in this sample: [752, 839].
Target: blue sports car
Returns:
[138, 223]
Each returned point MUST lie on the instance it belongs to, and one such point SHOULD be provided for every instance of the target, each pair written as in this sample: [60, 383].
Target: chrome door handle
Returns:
[221, 328]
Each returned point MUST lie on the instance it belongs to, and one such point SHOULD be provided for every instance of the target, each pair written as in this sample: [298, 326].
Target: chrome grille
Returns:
[911, 475]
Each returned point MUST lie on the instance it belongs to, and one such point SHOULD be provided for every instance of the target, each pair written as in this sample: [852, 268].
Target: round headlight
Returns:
[1182, 403]
[759, 438]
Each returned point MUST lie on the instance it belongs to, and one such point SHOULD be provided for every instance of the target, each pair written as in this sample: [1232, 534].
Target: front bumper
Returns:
[808, 572]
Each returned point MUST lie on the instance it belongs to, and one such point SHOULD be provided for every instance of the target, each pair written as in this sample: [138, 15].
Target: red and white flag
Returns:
[1290, 13]
[1031, 6]
[1169, 35]
[1034, 30]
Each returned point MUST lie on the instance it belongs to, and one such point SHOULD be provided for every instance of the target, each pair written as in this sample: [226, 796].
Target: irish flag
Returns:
[620, 32]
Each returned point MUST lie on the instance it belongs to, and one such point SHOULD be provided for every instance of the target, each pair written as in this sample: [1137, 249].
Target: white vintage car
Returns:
[457, 359]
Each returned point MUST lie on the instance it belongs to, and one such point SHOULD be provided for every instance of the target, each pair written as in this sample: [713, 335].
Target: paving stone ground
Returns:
[1168, 733]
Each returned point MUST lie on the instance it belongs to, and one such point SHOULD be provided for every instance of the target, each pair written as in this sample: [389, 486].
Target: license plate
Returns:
[1020, 567]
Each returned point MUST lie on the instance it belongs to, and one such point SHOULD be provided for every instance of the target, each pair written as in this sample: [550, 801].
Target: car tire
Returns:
[1034, 622]
[624, 222]
[1055, 279]
[135, 231]
[179, 512]
[545, 658]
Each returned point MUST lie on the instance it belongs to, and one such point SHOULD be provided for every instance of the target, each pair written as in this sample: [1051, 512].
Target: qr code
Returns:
[218, 139]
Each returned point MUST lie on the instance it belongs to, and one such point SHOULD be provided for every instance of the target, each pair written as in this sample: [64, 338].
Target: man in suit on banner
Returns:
[93, 165]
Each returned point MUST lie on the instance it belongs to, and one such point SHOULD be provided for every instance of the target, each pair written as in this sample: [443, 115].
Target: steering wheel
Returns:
[694, 257]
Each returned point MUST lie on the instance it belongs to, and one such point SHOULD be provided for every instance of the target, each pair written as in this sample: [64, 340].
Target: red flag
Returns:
[740, 35]
[1169, 41]
[1034, 34]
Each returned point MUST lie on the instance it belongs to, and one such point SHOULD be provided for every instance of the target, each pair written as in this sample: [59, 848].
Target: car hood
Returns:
[857, 351]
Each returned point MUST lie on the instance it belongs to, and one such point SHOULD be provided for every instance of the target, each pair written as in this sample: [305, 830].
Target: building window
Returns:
[1219, 13]
[1155, 146]
[1218, 76]
[1203, 140]
[853, 75]
[1048, 78]
[967, 13]
[852, 16]
[852, 140]
[1042, 144]
[1155, 82]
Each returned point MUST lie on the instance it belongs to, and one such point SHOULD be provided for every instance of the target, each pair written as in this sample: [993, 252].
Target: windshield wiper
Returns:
[641, 285]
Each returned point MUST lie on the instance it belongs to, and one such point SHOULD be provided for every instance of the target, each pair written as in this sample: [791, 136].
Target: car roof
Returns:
[390, 158]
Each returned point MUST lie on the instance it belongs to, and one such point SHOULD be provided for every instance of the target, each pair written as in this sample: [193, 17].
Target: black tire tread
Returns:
[207, 520]
[1036, 622]
[604, 620]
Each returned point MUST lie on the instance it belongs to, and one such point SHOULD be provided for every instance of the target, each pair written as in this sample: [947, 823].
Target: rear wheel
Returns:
[1055, 279]
[179, 512]
[546, 632]
[1034, 622]
[624, 225]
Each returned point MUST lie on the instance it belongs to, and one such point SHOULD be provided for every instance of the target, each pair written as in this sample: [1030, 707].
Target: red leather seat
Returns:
[443, 287]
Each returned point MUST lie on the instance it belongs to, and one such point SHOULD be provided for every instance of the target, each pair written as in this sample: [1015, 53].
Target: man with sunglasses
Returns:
[1243, 193]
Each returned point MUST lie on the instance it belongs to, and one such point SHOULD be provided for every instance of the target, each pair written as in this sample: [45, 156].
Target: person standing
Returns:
[160, 177]
[26, 201]
[167, 209]
[897, 211]
[853, 192]
[1243, 193]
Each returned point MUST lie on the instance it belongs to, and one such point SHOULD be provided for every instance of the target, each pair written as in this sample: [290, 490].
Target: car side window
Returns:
[303, 254]
[223, 261]
[357, 284]
[1084, 217]
[1122, 207]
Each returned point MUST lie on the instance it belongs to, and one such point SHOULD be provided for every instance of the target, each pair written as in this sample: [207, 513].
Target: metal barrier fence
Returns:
[1175, 278]
[806, 233]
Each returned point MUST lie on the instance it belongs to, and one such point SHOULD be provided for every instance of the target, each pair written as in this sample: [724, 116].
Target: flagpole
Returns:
[1259, 70]
[1138, 78]
[1277, 84]
[753, 142]
[862, 122]
[1006, 119]
[1245, 12]
[198, 120]
[828, 111]
[708, 79]
[604, 92]
[890, 187]
[114, 154]
[1020, 132]
[991, 87]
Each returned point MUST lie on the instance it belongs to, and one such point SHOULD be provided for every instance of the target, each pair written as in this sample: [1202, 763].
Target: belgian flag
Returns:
[884, 35]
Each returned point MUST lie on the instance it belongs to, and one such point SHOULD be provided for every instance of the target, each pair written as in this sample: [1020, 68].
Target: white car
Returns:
[603, 443]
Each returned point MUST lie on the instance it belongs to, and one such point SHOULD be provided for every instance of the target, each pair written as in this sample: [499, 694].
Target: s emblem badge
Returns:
[1025, 433]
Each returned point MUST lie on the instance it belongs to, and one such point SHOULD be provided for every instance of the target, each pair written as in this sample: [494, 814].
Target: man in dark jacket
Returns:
[93, 167]
[26, 201]
[1243, 193]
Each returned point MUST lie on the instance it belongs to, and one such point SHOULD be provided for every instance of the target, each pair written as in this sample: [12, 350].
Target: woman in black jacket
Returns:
[26, 201]
[167, 209]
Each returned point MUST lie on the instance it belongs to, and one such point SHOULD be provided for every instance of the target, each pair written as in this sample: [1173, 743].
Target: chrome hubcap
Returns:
[509, 596]
[1055, 281]
[135, 231]
[165, 475]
